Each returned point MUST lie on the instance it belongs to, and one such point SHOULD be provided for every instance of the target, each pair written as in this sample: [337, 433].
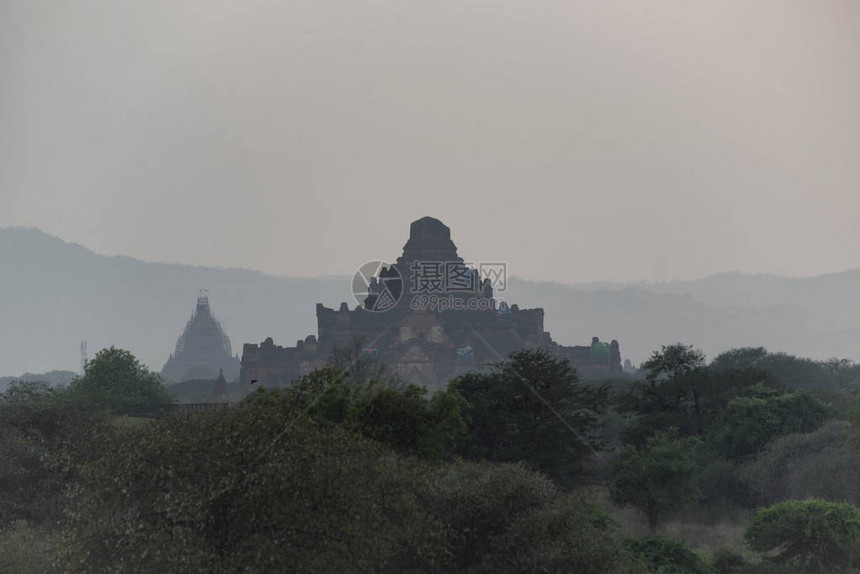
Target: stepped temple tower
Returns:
[203, 350]
[430, 316]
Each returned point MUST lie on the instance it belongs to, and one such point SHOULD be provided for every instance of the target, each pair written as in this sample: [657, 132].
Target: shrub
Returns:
[664, 556]
[820, 464]
[812, 536]
[26, 550]
[505, 518]
[761, 414]
[43, 437]
[729, 561]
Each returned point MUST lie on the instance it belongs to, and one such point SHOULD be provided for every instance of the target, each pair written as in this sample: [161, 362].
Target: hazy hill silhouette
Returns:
[53, 378]
[53, 294]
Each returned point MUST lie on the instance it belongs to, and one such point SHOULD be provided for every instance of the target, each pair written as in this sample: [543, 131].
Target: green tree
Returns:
[404, 418]
[261, 487]
[833, 376]
[270, 487]
[114, 377]
[659, 478]
[286, 481]
[532, 410]
[739, 358]
[408, 421]
[43, 437]
[760, 414]
[818, 464]
[673, 360]
[503, 518]
[689, 401]
[670, 397]
[810, 536]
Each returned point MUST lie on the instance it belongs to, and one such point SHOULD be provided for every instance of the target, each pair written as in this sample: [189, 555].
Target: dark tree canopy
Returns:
[659, 478]
[673, 360]
[406, 418]
[272, 485]
[811, 536]
[819, 464]
[690, 402]
[352, 469]
[534, 410]
[739, 358]
[42, 435]
[760, 414]
[665, 556]
[832, 376]
[114, 377]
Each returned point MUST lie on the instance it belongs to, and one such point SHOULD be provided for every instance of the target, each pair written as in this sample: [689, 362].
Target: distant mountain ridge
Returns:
[54, 294]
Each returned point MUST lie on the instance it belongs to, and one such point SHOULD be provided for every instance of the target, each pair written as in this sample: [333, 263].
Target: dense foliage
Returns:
[406, 419]
[258, 488]
[115, 378]
[758, 415]
[42, 433]
[533, 409]
[831, 376]
[659, 478]
[663, 556]
[505, 518]
[733, 405]
[810, 536]
[820, 464]
[352, 469]
[690, 401]
[278, 484]
[673, 361]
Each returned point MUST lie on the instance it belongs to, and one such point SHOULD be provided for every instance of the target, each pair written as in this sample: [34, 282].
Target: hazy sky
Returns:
[694, 137]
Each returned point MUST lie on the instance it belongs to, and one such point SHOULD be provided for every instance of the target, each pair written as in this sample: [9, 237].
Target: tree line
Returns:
[351, 469]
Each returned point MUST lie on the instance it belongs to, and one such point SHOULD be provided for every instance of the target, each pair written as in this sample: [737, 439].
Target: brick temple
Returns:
[430, 316]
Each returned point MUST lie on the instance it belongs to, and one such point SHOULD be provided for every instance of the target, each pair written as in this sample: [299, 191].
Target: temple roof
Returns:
[429, 240]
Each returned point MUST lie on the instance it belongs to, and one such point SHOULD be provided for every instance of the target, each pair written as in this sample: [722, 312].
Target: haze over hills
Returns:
[54, 294]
